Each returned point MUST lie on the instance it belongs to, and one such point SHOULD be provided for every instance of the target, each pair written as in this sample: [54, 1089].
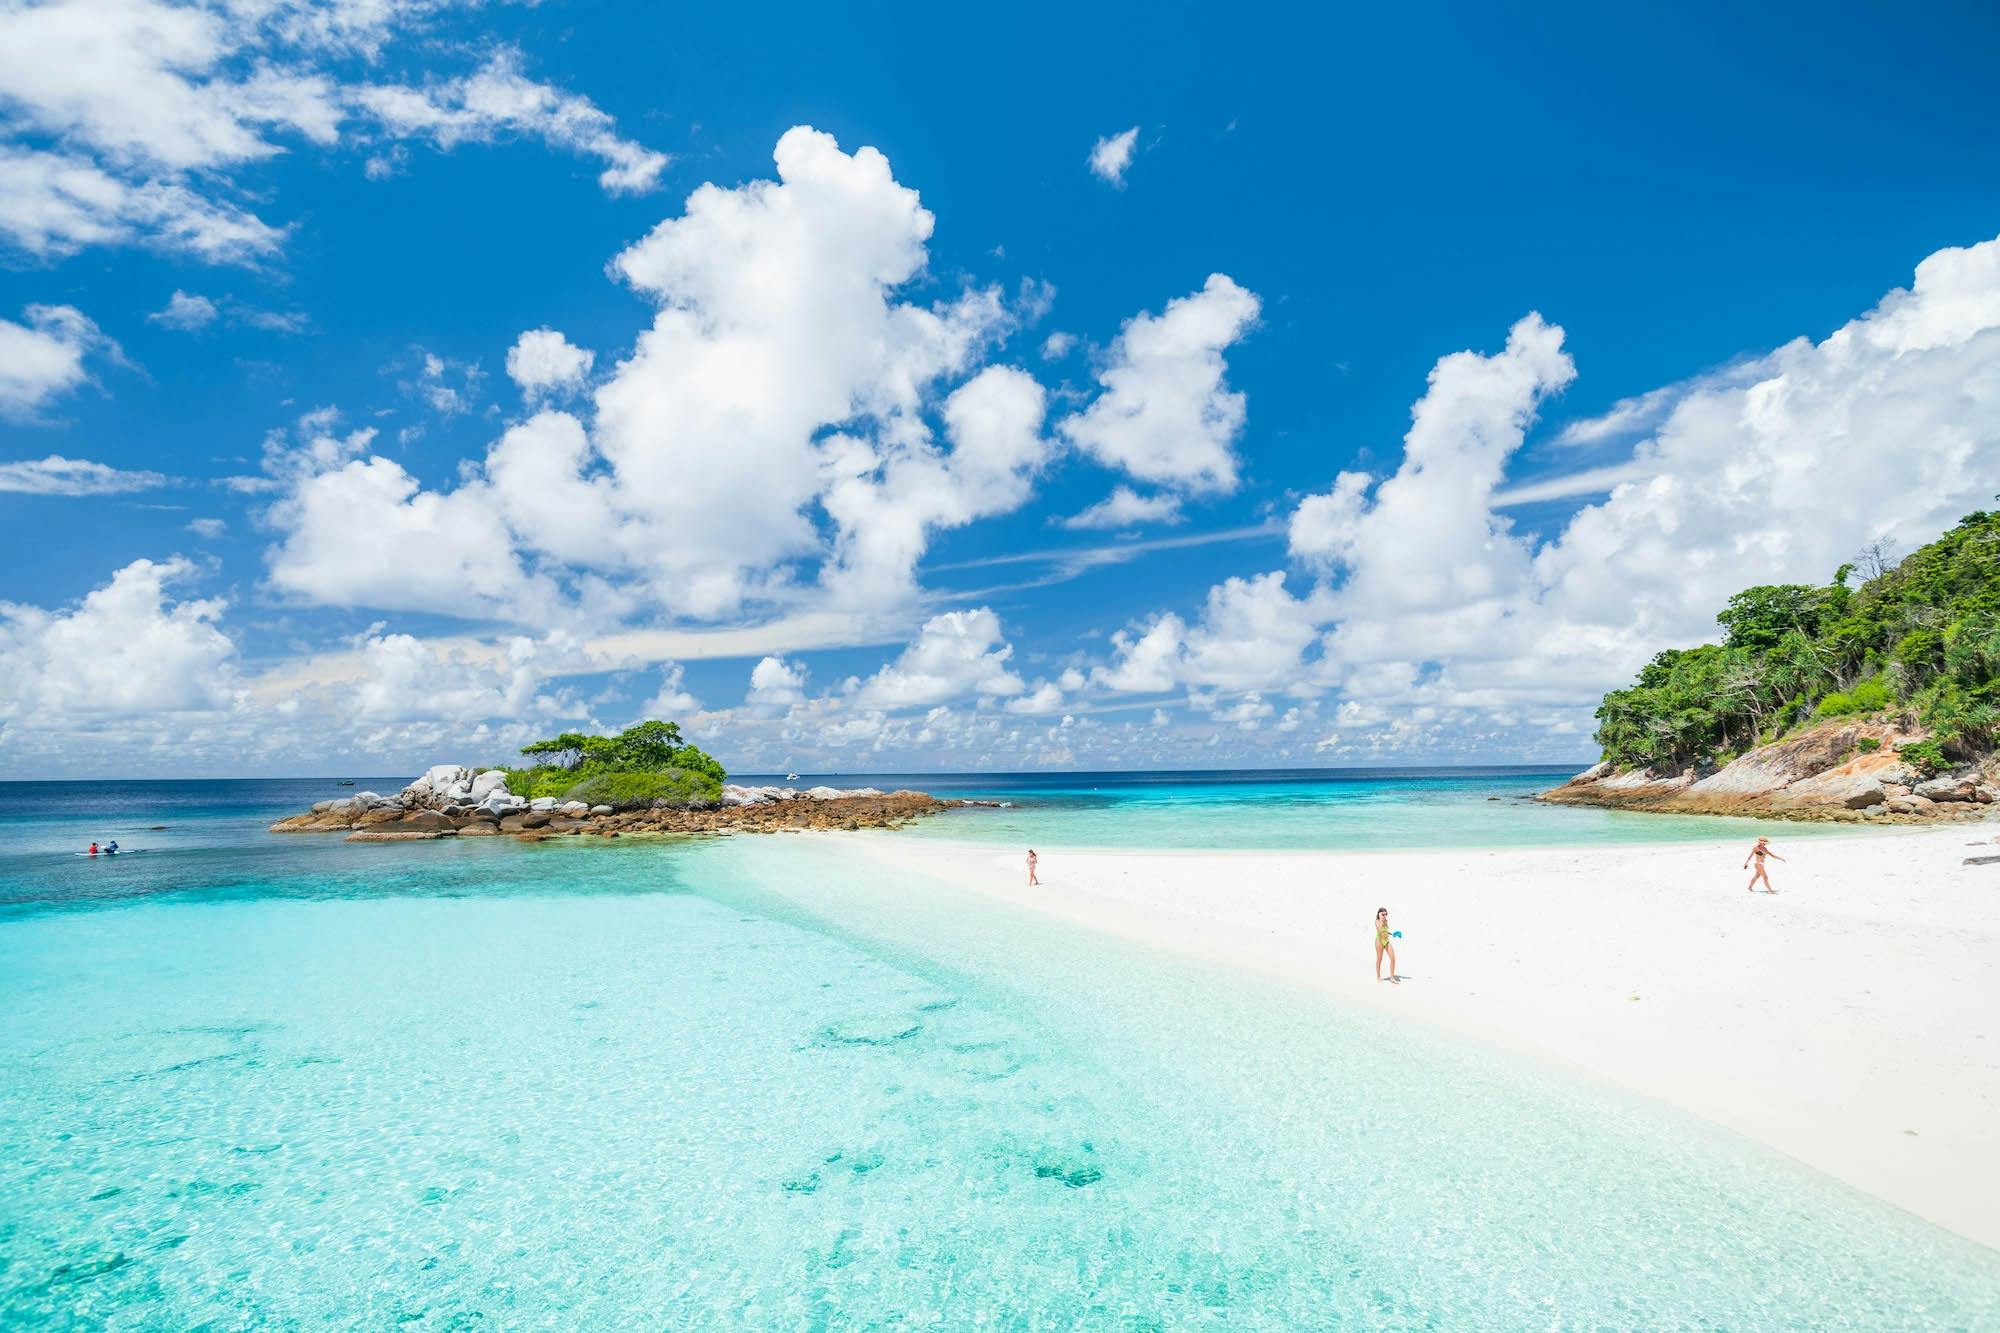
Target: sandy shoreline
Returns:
[1852, 1021]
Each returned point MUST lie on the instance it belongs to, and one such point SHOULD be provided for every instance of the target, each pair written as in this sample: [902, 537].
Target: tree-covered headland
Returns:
[647, 762]
[1917, 641]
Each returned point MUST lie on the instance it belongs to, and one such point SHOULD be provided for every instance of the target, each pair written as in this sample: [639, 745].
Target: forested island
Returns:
[1876, 695]
[645, 779]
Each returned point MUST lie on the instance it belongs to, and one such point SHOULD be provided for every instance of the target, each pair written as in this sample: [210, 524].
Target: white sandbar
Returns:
[1852, 1021]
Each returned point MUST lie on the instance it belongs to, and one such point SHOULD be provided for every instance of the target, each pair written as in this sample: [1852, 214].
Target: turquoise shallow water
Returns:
[1355, 809]
[291, 1083]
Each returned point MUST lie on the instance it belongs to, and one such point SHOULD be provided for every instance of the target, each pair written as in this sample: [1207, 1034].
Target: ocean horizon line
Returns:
[1373, 770]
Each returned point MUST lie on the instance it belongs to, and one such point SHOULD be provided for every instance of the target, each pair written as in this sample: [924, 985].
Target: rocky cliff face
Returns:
[1838, 771]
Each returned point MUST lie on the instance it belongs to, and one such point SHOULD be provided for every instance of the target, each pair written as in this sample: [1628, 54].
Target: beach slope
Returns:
[1851, 1021]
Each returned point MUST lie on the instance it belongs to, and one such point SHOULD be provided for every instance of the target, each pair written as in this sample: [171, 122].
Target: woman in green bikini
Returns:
[1383, 946]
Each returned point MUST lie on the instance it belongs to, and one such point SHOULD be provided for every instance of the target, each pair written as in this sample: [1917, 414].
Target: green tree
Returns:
[1757, 618]
[1921, 635]
[649, 745]
[566, 750]
[575, 766]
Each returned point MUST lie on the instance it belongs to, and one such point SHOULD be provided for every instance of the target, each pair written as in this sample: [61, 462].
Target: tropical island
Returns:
[1876, 701]
[645, 779]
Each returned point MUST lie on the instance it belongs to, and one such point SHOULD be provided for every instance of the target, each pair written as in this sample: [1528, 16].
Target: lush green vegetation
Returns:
[676, 786]
[645, 763]
[1919, 641]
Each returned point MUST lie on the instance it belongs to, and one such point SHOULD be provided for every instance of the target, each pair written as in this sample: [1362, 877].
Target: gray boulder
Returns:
[839, 793]
[486, 784]
[1853, 790]
[1953, 787]
[501, 802]
[436, 785]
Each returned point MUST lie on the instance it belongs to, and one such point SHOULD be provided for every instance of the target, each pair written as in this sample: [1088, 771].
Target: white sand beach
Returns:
[1851, 1021]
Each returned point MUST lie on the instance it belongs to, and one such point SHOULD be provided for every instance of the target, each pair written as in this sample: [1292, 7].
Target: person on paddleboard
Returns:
[93, 849]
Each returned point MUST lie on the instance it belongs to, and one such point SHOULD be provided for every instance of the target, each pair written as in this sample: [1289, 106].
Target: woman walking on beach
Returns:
[1757, 854]
[1033, 860]
[1383, 946]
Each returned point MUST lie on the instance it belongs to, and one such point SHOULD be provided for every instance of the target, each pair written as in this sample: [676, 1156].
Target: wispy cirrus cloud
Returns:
[190, 312]
[56, 475]
[1111, 156]
[145, 115]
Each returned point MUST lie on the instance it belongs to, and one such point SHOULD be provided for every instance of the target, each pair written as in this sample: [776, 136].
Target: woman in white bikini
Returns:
[1757, 854]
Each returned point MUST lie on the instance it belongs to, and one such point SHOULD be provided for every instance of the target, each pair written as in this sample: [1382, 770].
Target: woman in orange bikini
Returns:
[1757, 854]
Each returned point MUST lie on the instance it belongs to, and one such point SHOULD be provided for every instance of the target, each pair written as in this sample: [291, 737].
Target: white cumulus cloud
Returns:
[956, 654]
[128, 648]
[44, 358]
[709, 465]
[1166, 414]
[776, 683]
[672, 701]
[543, 361]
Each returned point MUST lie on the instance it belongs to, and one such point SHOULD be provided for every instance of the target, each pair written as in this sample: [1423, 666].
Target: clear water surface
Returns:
[252, 1081]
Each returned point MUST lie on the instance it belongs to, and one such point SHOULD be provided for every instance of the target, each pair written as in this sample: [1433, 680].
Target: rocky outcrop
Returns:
[735, 795]
[450, 801]
[1834, 771]
[1966, 785]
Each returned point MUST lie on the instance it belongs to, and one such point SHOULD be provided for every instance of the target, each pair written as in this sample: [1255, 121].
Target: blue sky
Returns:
[1442, 366]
